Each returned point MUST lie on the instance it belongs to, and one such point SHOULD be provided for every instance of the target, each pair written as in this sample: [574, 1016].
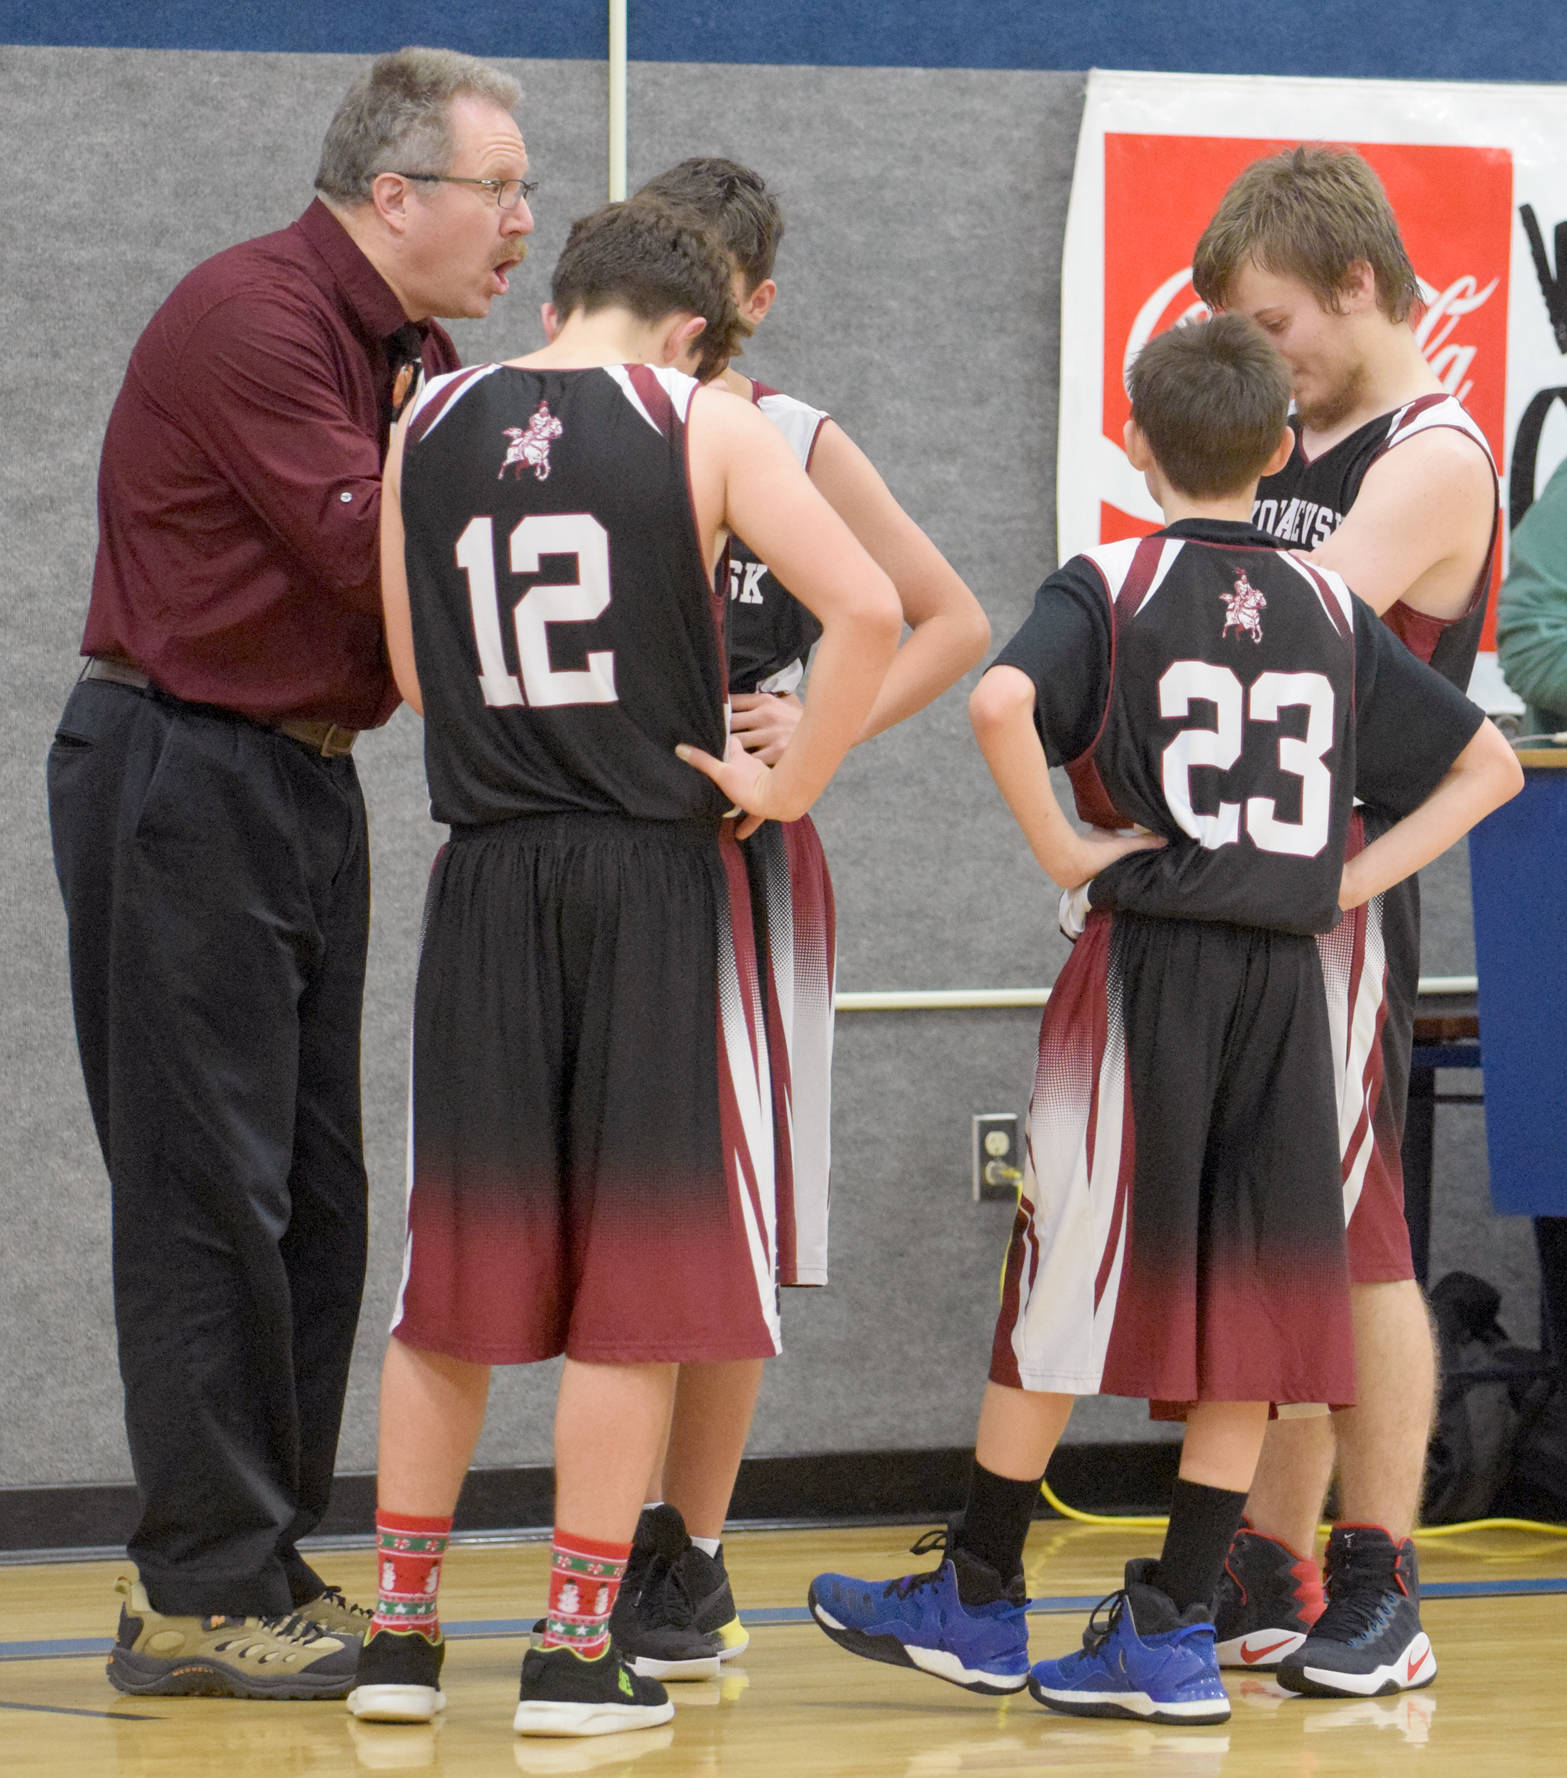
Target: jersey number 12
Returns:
[579, 601]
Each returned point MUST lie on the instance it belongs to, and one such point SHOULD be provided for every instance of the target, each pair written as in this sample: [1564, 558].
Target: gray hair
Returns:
[397, 117]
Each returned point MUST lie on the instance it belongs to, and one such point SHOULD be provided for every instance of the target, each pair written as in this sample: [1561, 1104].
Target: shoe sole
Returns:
[1414, 1669]
[934, 1661]
[722, 1644]
[1258, 1651]
[1137, 1705]
[681, 1671]
[146, 1677]
[395, 1703]
[541, 1717]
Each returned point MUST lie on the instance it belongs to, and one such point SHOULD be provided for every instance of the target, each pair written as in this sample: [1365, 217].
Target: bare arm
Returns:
[1420, 526]
[745, 478]
[1002, 712]
[1483, 777]
[394, 574]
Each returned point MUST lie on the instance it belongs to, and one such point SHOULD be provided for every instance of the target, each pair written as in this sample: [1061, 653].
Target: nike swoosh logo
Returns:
[1415, 1666]
[1252, 1655]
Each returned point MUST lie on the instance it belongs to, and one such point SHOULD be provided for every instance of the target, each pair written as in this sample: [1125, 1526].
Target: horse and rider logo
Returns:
[530, 445]
[1243, 608]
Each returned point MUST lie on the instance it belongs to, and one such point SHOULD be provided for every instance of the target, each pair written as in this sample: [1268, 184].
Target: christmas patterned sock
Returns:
[408, 1572]
[584, 1579]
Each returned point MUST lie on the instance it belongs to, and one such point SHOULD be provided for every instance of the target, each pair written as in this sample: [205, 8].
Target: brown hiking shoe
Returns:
[336, 1614]
[225, 1657]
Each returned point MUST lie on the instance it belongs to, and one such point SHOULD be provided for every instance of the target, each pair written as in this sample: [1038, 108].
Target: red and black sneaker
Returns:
[1268, 1600]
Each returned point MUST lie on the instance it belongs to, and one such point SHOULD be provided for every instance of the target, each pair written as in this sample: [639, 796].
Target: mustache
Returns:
[513, 253]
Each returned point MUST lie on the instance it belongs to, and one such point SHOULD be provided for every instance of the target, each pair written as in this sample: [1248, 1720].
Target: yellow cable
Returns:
[1153, 1522]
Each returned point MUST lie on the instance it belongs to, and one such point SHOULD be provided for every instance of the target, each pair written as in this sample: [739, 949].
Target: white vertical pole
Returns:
[617, 100]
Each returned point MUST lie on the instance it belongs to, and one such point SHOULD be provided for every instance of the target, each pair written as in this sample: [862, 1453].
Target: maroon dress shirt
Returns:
[239, 494]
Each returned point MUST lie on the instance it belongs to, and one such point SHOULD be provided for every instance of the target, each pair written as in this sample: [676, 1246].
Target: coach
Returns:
[209, 831]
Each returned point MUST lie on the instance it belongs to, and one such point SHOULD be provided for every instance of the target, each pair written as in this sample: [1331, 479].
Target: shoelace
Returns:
[1356, 1601]
[910, 1583]
[674, 1595]
[1097, 1634]
[287, 1627]
[291, 1627]
[336, 1596]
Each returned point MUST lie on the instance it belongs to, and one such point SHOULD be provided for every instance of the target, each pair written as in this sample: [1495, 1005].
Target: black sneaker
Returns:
[561, 1693]
[399, 1677]
[1267, 1601]
[158, 1654]
[645, 1543]
[681, 1622]
[1368, 1641]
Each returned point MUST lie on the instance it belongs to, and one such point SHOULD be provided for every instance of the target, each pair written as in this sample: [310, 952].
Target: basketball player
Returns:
[591, 1140]
[1390, 483]
[676, 1617]
[1218, 701]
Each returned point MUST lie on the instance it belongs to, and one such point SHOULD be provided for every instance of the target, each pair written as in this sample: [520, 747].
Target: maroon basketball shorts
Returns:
[1371, 969]
[796, 940]
[591, 1140]
[1180, 1235]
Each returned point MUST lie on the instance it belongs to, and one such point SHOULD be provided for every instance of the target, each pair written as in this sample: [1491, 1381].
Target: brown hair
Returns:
[1211, 398]
[731, 200]
[654, 261]
[1308, 213]
[398, 115]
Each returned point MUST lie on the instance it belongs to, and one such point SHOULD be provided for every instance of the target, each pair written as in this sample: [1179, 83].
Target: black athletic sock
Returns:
[1203, 1523]
[994, 1523]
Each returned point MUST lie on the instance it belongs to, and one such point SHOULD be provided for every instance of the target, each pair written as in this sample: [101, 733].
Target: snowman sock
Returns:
[408, 1572]
[584, 1579]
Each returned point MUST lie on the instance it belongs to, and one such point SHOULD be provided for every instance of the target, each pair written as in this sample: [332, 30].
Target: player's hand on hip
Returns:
[764, 722]
[742, 777]
[1100, 848]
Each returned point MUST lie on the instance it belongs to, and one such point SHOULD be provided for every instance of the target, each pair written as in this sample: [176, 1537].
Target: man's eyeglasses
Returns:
[509, 193]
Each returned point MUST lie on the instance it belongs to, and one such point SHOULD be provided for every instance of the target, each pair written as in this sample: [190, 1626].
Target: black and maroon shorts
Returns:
[1180, 1235]
[591, 1142]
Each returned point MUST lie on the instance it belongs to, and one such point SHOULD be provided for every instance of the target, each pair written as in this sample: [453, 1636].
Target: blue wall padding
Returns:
[1440, 40]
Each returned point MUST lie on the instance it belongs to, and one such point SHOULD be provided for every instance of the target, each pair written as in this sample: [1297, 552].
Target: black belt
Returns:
[330, 739]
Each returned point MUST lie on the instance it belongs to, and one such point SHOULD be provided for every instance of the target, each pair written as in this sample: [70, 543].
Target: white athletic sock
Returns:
[707, 1545]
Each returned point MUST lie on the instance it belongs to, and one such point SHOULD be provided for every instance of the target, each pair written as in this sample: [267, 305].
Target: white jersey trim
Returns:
[474, 373]
[675, 384]
[798, 422]
[1450, 413]
[1114, 561]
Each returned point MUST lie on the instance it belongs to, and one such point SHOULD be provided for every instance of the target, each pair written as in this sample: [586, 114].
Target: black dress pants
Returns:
[216, 884]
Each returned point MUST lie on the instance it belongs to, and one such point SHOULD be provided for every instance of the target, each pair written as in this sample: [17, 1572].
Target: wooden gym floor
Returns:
[793, 1705]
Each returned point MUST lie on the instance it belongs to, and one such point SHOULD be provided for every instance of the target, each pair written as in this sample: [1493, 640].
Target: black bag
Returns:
[1493, 1396]
[1537, 1486]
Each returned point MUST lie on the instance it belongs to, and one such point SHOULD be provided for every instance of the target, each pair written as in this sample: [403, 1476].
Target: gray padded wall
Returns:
[919, 304]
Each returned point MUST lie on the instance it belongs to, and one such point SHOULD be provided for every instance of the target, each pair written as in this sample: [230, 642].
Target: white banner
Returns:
[1467, 167]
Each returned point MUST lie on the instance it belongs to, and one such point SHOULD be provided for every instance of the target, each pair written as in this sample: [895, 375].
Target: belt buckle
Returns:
[333, 742]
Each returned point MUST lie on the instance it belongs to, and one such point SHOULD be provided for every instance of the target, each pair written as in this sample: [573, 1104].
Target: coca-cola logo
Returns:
[1451, 359]
[1174, 301]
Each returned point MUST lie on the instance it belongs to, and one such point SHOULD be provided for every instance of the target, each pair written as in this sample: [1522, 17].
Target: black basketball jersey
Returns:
[771, 634]
[1306, 501]
[566, 632]
[1224, 693]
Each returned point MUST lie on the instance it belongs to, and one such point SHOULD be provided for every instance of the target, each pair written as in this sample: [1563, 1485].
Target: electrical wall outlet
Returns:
[997, 1155]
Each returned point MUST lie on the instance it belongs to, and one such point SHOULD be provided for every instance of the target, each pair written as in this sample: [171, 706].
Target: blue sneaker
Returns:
[959, 1622]
[1146, 1660]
